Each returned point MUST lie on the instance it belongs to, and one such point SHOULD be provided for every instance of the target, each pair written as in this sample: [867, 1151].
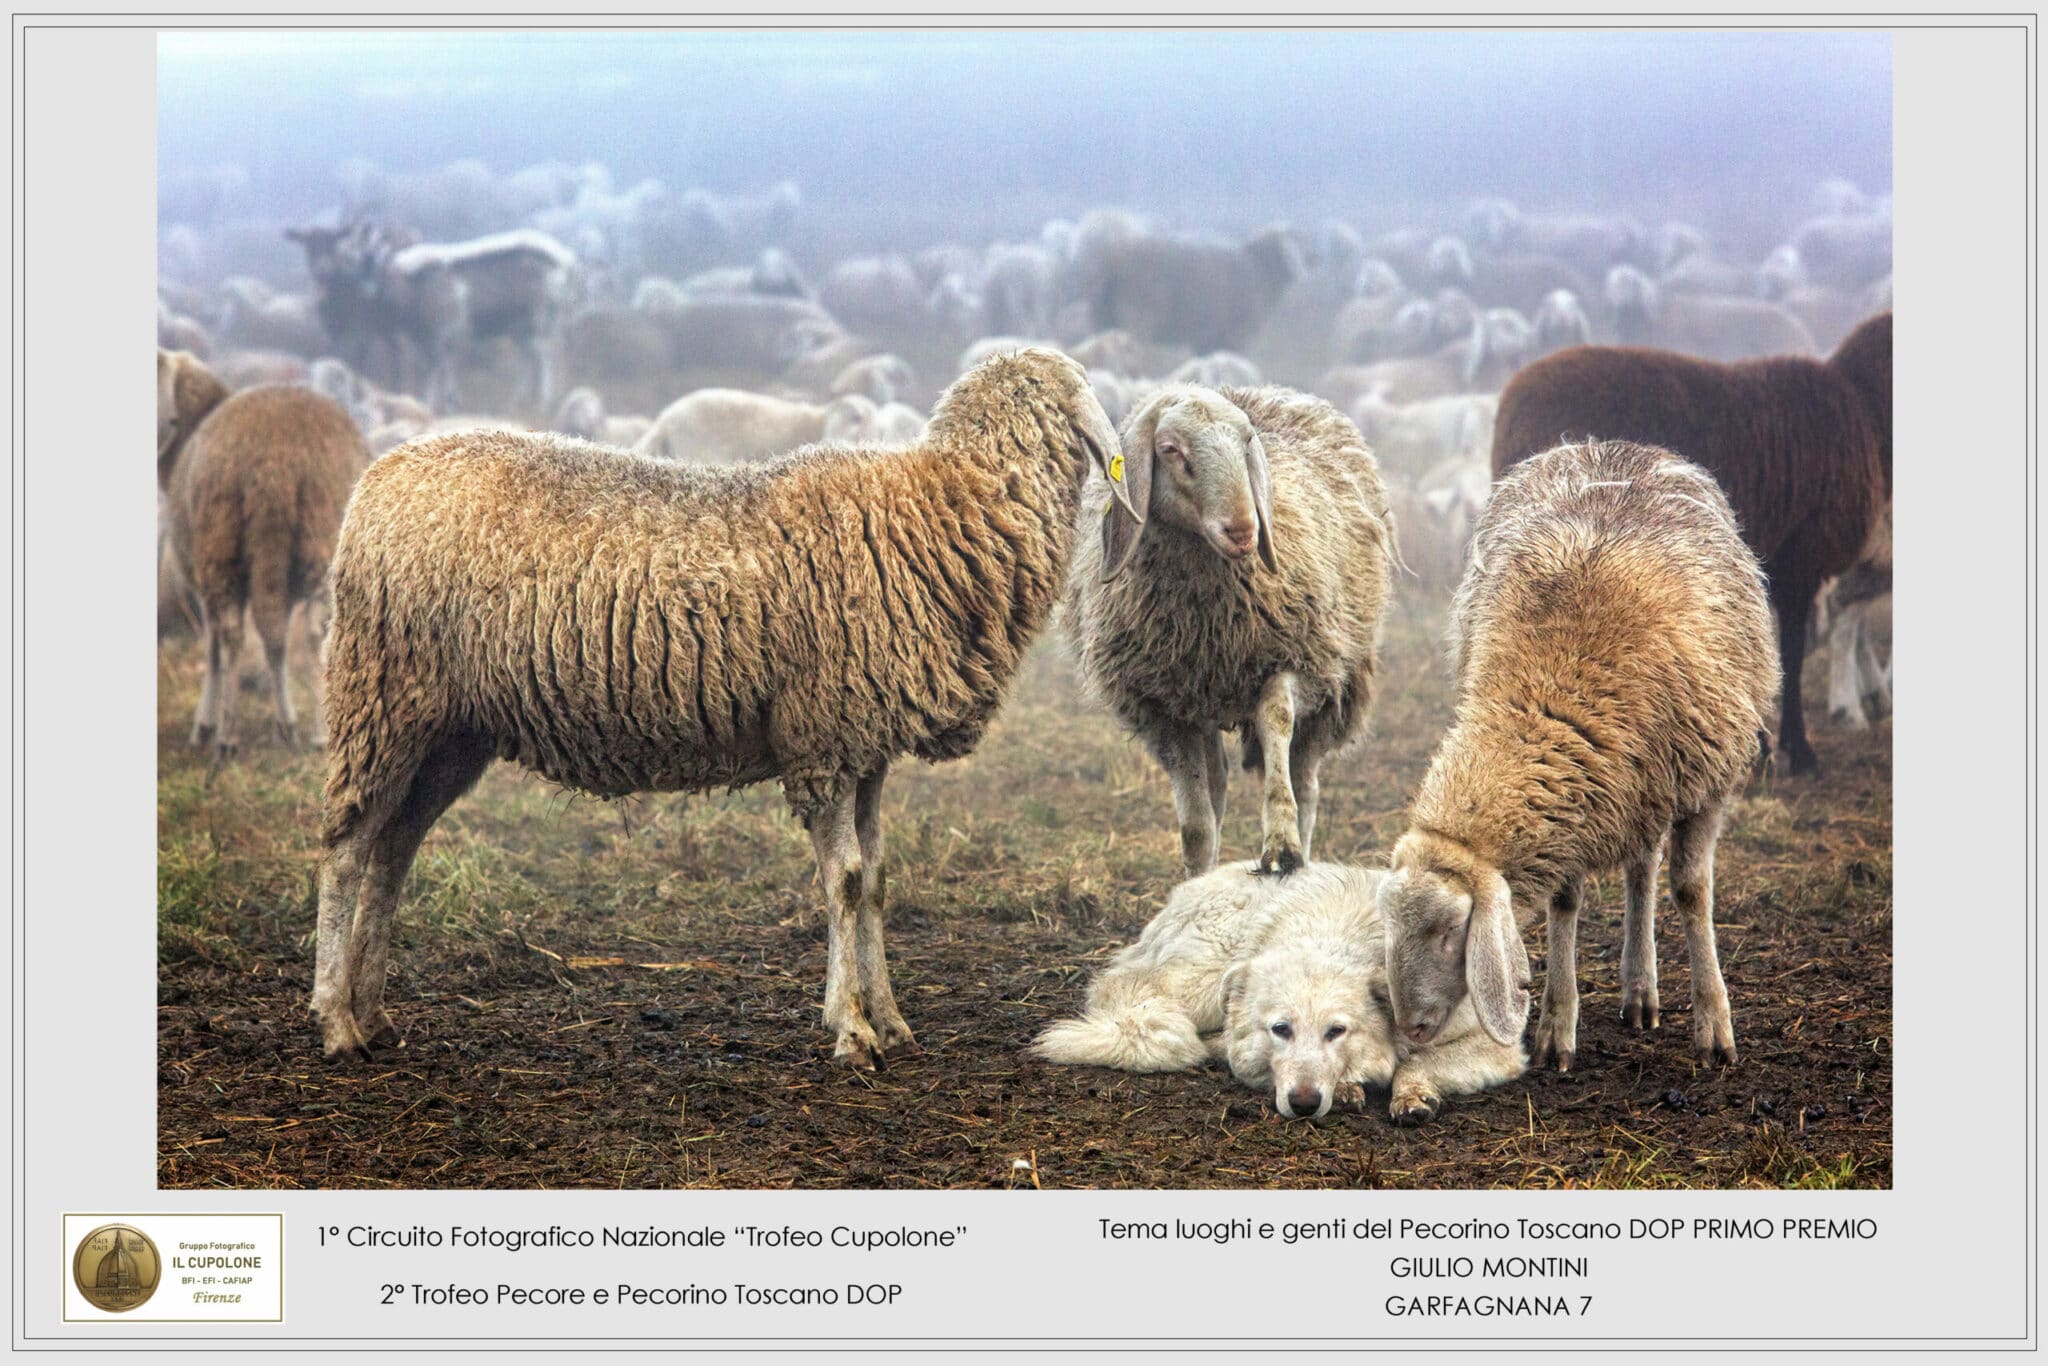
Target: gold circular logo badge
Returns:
[116, 1267]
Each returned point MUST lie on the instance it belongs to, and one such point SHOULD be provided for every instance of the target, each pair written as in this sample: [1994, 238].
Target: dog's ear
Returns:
[1233, 987]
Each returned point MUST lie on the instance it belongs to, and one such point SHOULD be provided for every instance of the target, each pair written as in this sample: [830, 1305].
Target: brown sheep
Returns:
[1613, 649]
[253, 498]
[1802, 446]
[623, 625]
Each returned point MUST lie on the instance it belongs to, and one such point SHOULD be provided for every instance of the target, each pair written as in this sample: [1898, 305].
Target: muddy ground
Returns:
[606, 995]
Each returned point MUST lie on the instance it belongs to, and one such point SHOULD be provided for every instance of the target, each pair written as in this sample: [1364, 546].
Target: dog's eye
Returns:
[1333, 1033]
[1283, 1030]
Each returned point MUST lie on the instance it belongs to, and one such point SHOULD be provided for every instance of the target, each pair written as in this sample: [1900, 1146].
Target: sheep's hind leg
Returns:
[1845, 674]
[209, 691]
[1692, 887]
[341, 881]
[1557, 1030]
[1639, 1003]
[837, 847]
[1184, 754]
[1280, 818]
[273, 628]
[870, 951]
[449, 771]
[227, 636]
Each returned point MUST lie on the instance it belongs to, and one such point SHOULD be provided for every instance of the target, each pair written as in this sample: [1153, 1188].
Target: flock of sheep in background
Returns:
[505, 586]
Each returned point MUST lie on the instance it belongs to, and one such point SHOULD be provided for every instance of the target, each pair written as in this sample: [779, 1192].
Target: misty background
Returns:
[992, 131]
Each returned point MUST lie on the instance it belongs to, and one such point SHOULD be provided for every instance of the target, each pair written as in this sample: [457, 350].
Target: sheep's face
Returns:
[1449, 262]
[1208, 469]
[1450, 933]
[1426, 917]
[1630, 294]
[1308, 1024]
[1376, 280]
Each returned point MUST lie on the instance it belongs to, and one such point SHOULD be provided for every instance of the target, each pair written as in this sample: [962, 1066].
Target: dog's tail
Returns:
[1140, 1032]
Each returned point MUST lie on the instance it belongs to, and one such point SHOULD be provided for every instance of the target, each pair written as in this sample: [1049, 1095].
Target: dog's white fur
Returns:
[1284, 978]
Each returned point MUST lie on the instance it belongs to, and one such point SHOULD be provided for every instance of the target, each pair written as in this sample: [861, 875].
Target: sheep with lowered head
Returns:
[622, 625]
[1613, 648]
[1242, 591]
[254, 484]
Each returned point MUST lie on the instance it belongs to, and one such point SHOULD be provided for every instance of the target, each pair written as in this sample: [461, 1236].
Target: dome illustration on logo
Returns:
[116, 1267]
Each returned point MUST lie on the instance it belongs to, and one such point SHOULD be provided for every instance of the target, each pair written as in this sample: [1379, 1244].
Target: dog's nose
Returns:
[1304, 1100]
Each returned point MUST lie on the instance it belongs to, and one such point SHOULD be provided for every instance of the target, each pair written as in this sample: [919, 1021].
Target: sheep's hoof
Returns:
[288, 735]
[1556, 1042]
[1279, 858]
[379, 1032]
[1416, 1107]
[201, 736]
[340, 1040]
[1715, 1052]
[1639, 1008]
[905, 1047]
[862, 1055]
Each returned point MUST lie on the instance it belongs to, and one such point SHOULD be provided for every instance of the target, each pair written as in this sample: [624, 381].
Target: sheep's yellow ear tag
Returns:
[1116, 467]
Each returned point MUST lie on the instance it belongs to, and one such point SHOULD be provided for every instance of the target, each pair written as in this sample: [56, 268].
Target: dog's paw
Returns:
[1350, 1093]
[1415, 1105]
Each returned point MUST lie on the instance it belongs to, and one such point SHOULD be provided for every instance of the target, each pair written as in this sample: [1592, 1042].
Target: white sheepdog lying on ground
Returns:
[1285, 979]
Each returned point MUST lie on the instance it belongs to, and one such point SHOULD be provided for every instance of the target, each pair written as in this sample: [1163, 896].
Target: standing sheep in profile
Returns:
[1185, 633]
[1205, 295]
[254, 484]
[1803, 448]
[622, 625]
[1613, 648]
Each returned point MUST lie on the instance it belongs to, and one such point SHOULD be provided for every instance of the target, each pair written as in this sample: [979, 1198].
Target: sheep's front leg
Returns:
[1185, 755]
[1217, 768]
[1279, 818]
[1460, 1067]
[1308, 791]
[1876, 680]
[839, 866]
[1845, 673]
[882, 1013]
[1639, 1003]
[1692, 887]
[1557, 1031]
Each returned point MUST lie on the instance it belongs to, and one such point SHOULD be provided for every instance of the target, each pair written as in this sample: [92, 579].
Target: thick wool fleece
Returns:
[622, 625]
[1615, 662]
[1185, 637]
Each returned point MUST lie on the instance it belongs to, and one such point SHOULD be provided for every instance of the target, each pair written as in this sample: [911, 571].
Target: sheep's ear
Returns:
[1131, 470]
[1496, 962]
[1261, 475]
